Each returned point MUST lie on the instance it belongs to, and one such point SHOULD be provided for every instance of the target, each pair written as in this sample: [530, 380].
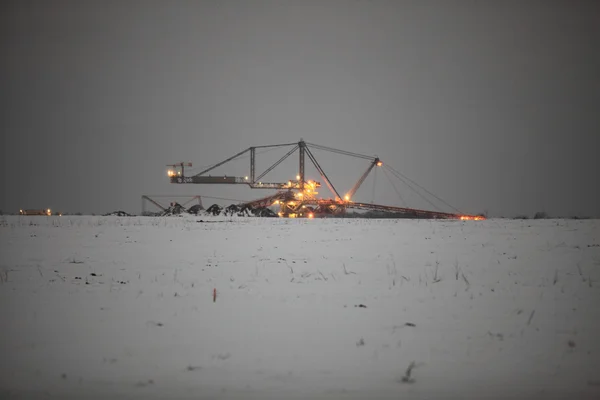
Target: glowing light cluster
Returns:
[471, 218]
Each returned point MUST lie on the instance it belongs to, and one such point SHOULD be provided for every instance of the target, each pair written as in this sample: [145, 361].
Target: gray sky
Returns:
[491, 105]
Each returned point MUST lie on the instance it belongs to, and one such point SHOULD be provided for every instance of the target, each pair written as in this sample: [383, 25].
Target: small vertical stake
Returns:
[214, 295]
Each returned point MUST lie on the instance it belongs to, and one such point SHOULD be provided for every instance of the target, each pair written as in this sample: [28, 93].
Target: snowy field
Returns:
[109, 307]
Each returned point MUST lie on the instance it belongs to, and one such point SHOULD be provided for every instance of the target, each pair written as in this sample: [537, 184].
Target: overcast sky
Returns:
[491, 105]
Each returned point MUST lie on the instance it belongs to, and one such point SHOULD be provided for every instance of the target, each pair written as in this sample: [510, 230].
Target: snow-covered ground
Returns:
[122, 307]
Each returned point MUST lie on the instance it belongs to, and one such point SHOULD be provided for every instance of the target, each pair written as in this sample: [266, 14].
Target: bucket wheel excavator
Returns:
[298, 198]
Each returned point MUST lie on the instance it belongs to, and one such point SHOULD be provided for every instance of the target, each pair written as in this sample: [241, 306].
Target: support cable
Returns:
[413, 189]
[344, 152]
[240, 157]
[289, 153]
[223, 198]
[402, 202]
[276, 145]
[327, 181]
[416, 184]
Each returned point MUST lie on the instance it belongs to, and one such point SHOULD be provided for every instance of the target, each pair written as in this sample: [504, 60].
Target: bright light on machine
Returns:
[347, 198]
[471, 218]
[289, 183]
[246, 178]
[297, 177]
[311, 215]
[379, 163]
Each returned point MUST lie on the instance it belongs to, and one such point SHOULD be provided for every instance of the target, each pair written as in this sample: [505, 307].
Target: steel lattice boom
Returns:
[298, 198]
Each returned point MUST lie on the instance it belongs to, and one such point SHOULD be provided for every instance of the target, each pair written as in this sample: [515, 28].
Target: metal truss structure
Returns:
[298, 198]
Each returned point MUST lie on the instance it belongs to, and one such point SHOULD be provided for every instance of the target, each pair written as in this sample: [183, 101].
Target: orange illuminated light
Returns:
[471, 218]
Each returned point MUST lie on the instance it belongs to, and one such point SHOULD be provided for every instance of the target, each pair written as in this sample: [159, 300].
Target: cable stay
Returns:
[222, 162]
[407, 183]
[427, 191]
[223, 198]
[275, 145]
[289, 153]
[347, 153]
[297, 198]
[402, 202]
[323, 175]
[242, 157]
[238, 156]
